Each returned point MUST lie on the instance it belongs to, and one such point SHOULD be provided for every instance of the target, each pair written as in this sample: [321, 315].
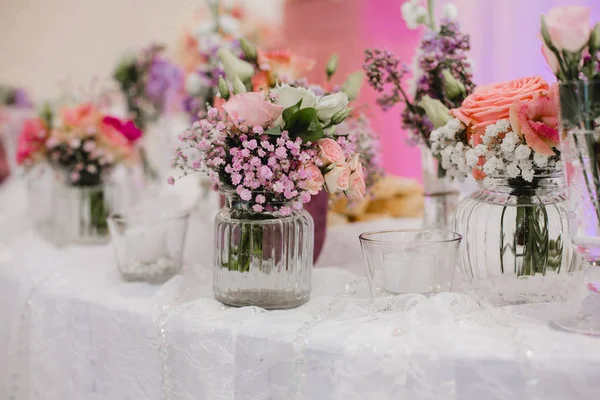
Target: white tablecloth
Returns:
[70, 329]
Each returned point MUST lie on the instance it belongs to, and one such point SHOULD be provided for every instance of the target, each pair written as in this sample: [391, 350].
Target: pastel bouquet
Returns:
[152, 85]
[506, 136]
[82, 142]
[441, 71]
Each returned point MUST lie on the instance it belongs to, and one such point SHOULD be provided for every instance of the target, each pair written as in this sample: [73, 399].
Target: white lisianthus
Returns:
[229, 25]
[436, 111]
[328, 105]
[414, 14]
[195, 85]
[450, 11]
[234, 67]
[287, 96]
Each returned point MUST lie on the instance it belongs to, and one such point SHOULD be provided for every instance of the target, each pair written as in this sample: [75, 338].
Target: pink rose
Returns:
[338, 178]
[569, 27]
[31, 140]
[316, 181]
[537, 122]
[253, 109]
[126, 128]
[330, 151]
[358, 187]
[490, 103]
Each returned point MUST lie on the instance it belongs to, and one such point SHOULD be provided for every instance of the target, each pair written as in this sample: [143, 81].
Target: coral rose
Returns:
[490, 103]
[281, 66]
[84, 115]
[537, 122]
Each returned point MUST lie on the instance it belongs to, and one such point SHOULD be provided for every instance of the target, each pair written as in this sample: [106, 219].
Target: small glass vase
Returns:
[262, 259]
[514, 229]
[81, 212]
[441, 193]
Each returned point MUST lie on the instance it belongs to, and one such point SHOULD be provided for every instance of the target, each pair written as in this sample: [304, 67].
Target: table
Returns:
[70, 329]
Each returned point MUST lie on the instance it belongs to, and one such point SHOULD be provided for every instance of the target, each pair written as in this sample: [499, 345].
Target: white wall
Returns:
[45, 42]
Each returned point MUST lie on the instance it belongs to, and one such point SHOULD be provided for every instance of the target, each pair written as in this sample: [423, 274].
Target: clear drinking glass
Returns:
[148, 245]
[262, 259]
[441, 193]
[419, 261]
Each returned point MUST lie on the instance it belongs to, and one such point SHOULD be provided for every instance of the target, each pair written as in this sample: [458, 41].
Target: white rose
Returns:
[287, 96]
[338, 178]
[354, 162]
[195, 85]
[327, 106]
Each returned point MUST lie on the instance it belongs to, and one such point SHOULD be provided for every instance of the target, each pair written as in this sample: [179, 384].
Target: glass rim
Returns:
[168, 216]
[364, 237]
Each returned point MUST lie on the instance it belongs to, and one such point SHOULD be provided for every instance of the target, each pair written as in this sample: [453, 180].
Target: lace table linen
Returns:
[71, 329]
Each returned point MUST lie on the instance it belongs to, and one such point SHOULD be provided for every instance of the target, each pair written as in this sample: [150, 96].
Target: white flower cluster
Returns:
[414, 14]
[504, 152]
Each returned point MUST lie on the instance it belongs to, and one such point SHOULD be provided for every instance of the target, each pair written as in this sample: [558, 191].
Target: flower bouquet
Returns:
[506, 136]
[572, 49]
[441, 76]
[152, 86]
[83, 145]
[268, 152]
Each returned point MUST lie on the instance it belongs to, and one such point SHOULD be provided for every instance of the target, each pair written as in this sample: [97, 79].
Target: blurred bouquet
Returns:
[151, 84]
[82, 142]
[15, 97]
[441, 70]
[509, 128]
[221, 30]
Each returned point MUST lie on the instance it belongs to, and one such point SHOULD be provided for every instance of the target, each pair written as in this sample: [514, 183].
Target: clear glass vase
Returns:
[441, 193]
[81, 212]
[262, 259]
[514, 229]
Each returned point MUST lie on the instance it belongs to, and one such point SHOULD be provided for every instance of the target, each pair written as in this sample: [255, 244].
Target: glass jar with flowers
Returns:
[83, 145]
[268, 152]
[515, 224]
[441, 76]
[258, 70]
[572, 49]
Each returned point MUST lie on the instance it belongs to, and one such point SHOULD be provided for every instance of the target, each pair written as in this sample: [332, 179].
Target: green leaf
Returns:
[289, 112]
[275, 131]
[305, 124]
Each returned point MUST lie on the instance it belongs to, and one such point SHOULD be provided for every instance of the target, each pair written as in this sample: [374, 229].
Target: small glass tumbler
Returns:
[412, 261]
[148, 245]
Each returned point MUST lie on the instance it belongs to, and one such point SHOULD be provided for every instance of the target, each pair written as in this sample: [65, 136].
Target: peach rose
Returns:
[84, 115]
[252, 108]
[569, 27]
[281, 66]
[537, 122]
[316, 181]
[330, 151]
[338, 178]
[358, 186]
[490, 103]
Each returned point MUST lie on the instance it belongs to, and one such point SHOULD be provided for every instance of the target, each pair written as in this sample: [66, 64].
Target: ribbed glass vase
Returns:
[262, 259]
[516, 229]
